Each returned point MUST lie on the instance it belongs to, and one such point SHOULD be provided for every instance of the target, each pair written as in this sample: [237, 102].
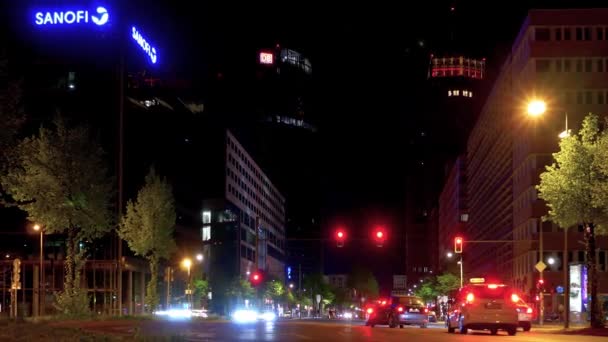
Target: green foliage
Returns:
[274, 289]
[575, 186]
[240, 288]
[147, 227]
[60, 179]
[427, 290]
[364, 282]
[446, 283]
[11, 108]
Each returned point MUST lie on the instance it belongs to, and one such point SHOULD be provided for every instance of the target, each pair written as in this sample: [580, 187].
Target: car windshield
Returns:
[490, 292]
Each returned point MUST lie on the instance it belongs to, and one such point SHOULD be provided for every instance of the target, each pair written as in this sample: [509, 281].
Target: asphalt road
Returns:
[311, 331]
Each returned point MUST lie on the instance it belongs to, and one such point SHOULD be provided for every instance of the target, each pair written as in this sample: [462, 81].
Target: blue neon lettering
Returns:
[141, 41]
[72, 17]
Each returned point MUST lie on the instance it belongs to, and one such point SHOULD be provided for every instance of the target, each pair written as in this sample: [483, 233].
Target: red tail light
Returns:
[426, 310]
[470, 298]
[370, 310]
[400, 309]
[529, 310]
[383, 302]
[515, 298]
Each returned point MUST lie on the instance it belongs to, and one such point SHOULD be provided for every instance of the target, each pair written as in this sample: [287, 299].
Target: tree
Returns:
[363, 281]
[11, 109]
[446, 283]
[274, 289]
[575, 189]
[147, 227]
[427, 291]
[60, 179]
[201, 288]
[240, 289]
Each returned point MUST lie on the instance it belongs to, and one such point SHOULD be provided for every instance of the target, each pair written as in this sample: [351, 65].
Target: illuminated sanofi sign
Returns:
[99, 17]
[144, 44]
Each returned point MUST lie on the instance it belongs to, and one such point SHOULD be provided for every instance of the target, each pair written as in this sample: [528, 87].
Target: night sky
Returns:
[369, 62]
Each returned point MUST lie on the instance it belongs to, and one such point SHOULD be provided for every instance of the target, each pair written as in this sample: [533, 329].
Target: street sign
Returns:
[540, 266]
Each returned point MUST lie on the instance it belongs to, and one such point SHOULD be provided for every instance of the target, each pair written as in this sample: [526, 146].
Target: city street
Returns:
[304, 331]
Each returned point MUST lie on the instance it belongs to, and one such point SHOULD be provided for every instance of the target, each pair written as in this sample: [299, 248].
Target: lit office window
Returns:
[206, 233]
[206, 217]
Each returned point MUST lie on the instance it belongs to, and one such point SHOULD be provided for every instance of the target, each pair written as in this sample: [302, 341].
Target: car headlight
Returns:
[244, 316]
[268, 316]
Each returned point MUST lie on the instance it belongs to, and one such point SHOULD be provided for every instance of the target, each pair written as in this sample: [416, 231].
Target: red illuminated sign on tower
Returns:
[266, 58]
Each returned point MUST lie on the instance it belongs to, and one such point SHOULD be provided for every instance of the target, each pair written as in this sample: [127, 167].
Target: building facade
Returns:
[453, 212]
[243, 227]
[559, 56]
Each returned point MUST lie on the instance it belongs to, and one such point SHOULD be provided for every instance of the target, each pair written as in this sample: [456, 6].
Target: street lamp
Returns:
[536, 108]
[551, 261]
[199, 257]
[291, 286]
[187, 263]
[41, 292]
[450, 254]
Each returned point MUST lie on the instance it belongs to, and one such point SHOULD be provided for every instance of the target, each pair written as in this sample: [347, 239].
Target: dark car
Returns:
[403, 310]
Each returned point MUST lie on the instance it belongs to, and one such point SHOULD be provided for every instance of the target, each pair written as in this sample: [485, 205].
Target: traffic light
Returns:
[540, 285]
[379, 236]
[340, 237]
[458, 241]
[255, 278]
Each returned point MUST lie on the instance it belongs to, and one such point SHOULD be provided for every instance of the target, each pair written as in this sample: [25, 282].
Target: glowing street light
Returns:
[187, 264]
[199, 257]
[551, 260]
[450, 254]
[536, 108]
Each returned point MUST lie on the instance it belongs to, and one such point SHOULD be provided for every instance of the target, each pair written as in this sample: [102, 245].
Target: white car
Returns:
[525, 315]
[484, 306]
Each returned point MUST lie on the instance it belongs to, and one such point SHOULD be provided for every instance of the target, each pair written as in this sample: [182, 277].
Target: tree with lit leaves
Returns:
[59, 177]
[147, 227]
[575, 189]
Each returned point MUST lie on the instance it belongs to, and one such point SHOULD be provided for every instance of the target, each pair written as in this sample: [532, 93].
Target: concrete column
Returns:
[142, 289]
[36, 298]
[130, 292]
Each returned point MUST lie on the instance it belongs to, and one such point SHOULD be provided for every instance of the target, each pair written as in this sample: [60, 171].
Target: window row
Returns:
[248, 204]
[263, 190]
[587, 97]
[244, 158]
[580, 33]
[247, 253]
[572, 65]
[252, 194]
[457, 92]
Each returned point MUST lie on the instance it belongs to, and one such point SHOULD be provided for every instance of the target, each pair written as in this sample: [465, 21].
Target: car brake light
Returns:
[370, 310]
[383, 302]
[470, 298]
[515, 298]
[529, 310]
[400, 309]
[492, 286]
[426, 310]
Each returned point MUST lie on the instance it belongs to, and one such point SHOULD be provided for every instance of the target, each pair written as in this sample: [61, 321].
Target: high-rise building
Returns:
[559, 56]
[242, 217]
[453, 212]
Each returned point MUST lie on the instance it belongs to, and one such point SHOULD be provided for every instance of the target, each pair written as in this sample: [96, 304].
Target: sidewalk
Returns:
[576, 329]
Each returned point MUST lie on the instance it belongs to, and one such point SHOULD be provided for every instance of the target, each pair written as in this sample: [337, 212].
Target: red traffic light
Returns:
[458, 244]
[379, 236]
[340, 237]
[255, 278]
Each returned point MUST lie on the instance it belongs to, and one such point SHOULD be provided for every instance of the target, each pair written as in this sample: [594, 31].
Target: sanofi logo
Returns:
[141, 41]
[71, 17]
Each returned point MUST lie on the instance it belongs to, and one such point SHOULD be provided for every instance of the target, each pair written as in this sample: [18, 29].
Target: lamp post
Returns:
[450, 255]
[41, 291]
[187, 264]
[536, 108]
